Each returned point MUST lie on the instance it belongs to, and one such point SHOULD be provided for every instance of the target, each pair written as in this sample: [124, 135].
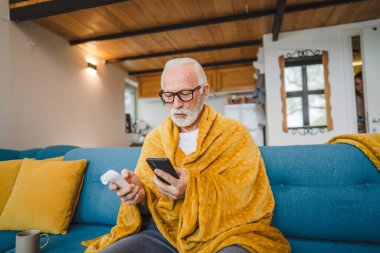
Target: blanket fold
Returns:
[369, 144]
[228, 198]
[128, 222]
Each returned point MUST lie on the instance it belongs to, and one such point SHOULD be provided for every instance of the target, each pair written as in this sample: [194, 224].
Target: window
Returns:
[130, 107]
[305, 92]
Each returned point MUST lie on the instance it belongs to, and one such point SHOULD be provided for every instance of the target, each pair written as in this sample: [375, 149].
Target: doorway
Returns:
[370, 49]
[357, 65]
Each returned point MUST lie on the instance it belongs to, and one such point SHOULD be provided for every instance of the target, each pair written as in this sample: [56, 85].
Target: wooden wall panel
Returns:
[212, 79]
[149, 86]
[220, 80]
[236, 78]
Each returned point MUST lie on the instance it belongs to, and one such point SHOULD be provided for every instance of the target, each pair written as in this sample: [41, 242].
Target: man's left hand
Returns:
[176, 188]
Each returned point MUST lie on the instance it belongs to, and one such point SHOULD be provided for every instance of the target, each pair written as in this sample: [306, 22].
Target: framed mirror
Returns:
[305, 92]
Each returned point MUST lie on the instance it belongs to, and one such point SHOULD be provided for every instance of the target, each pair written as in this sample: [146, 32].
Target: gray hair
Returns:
[201, 75]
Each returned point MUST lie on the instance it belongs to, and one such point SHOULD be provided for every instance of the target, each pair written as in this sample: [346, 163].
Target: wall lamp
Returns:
[357, 63]
[91, 68]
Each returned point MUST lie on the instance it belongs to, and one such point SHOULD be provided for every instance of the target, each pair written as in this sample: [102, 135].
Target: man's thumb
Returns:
[125, 173]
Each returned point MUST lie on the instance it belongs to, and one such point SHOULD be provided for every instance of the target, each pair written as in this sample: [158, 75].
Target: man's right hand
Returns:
[132, 194]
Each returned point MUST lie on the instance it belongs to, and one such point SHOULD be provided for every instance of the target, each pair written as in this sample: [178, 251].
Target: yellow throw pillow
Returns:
[8, 174]
[44, 196]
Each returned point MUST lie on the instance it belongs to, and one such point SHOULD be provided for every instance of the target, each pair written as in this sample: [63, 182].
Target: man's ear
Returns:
[206, 90]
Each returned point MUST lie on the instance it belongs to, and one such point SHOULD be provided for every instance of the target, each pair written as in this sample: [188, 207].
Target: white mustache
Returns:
[180, 111]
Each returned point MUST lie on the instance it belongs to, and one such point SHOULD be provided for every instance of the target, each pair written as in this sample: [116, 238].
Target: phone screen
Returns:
[162, 164]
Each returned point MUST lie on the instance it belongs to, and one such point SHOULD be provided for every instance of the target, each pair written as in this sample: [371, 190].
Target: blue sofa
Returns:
[327, 198]
[37, 153]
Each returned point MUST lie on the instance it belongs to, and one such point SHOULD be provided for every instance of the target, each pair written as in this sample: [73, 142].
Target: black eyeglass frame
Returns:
[178, 94]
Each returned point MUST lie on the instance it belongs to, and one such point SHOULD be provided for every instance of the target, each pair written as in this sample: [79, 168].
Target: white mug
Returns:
[29, 241]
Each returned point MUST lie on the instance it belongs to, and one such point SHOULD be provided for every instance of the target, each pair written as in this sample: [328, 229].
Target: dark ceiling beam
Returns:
[213, 21]
[45, 9]
[172, 27]
[16, 1]
[281, 5]
[317, 5]
[205, 65]
[188, 50]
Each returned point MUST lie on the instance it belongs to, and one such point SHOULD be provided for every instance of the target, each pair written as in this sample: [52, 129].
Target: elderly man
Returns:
[221, 202]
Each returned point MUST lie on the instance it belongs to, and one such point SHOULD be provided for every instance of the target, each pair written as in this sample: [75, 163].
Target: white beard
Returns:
[191, 115]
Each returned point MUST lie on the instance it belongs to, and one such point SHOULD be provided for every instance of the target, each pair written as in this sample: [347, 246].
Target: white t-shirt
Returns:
[188, 141]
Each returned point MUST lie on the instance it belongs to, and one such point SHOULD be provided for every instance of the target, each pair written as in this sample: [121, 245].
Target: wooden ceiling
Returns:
[139, 36]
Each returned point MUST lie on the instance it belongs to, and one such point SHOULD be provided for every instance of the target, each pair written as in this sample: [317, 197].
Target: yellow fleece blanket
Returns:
[228, 197]
[369, 144]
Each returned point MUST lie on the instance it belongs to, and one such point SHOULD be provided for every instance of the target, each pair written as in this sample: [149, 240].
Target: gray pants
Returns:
[150, 240]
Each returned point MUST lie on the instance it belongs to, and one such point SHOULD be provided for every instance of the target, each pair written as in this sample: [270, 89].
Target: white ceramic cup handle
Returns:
[46, 243]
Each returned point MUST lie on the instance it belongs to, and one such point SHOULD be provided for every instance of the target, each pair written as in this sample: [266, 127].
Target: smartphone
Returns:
[162, 164]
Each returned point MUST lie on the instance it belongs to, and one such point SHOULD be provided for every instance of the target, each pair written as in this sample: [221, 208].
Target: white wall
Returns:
[151, 110]
[332, 39]
[47, 97]
[4, 70]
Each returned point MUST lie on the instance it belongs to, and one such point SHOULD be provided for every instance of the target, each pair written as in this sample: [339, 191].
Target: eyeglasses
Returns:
[183, 95]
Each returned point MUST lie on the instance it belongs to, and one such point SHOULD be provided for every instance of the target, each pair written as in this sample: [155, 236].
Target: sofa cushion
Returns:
[8, 154]
[71, 242]
[38, 153]
[44, 196]
[53, 151]
[97, 204]
[7, 240]
[29, 153]
[324, 192]
[318, 246]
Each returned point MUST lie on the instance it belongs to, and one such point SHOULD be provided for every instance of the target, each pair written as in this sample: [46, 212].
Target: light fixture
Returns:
[91, 68]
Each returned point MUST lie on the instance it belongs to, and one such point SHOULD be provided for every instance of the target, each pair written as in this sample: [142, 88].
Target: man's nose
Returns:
[177, 103]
